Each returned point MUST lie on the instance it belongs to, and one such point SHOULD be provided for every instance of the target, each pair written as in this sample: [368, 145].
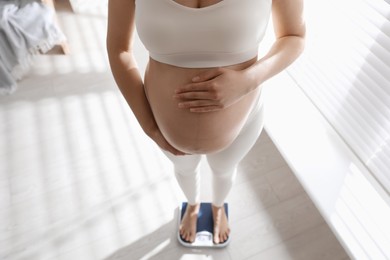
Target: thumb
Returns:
[208, 74]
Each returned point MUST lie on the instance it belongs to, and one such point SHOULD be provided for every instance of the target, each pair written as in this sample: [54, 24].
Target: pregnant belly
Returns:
[194, 133]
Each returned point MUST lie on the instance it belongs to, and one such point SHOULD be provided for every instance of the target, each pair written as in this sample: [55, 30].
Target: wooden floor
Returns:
[79, 179]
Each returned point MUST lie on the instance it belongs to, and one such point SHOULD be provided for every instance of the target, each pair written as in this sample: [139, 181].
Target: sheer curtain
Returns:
[346, 73]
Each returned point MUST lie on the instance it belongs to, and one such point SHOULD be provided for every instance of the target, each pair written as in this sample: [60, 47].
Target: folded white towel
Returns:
[27, 27]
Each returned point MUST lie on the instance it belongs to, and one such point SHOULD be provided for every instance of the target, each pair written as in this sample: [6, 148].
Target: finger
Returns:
[201, 106]
[198, 103]
[208, 74]
[205, 95]
[194, 87]
[205, 109]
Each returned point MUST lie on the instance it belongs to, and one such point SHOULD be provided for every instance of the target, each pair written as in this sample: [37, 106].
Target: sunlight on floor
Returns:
[156, 250]
[77, 169]
[89, 151]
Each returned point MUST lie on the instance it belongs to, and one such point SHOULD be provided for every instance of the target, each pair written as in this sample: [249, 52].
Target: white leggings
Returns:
[223, 164]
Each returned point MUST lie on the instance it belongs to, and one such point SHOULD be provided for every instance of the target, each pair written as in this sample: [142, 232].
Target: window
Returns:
[345, 71]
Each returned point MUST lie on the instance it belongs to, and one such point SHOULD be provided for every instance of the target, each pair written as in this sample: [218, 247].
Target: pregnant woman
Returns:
[201, 92]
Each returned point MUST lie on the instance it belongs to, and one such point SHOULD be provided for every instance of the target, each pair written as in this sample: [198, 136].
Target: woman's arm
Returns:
[290, 29]
[216, 89]
[120, 33]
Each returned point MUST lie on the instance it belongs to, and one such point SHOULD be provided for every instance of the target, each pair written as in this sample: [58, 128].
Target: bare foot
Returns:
[221, 225]
[188, 223]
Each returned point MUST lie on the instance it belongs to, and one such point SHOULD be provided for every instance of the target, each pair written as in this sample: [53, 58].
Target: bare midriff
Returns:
[190, 132]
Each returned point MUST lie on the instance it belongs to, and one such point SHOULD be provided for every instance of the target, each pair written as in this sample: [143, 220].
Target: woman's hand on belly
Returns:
[213, 90]
[191, 132]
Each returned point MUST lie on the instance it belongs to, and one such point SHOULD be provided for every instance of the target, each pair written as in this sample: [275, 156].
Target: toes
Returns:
[187, 236]
[216, 237]
[192, 238]
[184, 235]
[221, 237]
[225, 237]
[216, 240]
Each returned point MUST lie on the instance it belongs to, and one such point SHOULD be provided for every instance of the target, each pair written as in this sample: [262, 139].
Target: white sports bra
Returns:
[226, 33]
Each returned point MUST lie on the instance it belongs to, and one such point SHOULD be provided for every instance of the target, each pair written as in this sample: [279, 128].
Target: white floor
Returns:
[79, 179]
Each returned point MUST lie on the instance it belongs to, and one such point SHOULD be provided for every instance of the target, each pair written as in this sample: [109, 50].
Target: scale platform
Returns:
[204, 230]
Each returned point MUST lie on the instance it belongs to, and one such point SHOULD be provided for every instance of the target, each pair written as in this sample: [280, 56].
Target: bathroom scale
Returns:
[204, 227]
